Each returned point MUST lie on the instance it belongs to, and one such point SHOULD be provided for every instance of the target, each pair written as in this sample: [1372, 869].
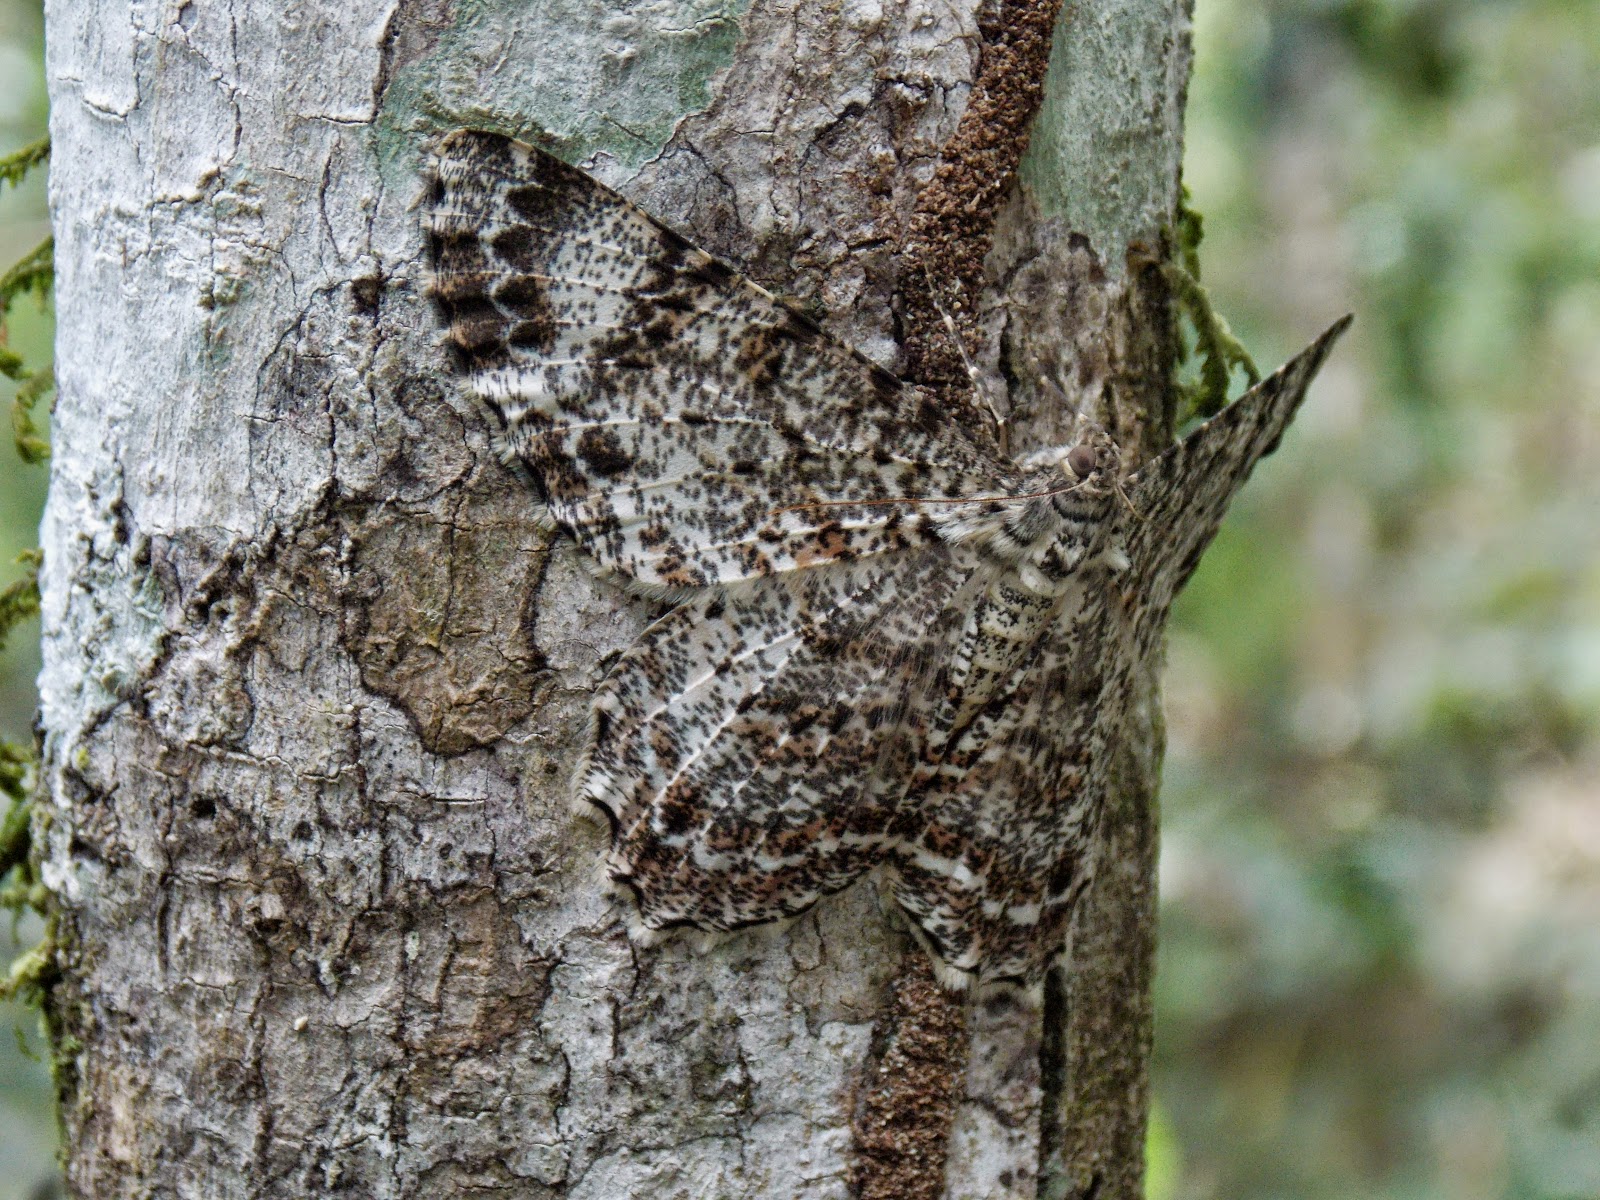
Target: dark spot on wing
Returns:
[536, 203]
[518, 246]
[796, 326]
[678, 301]
[677, 815]
[1061, 878]
[661, 332]
[602, 452]
[537, 334]
[677, 246]
[759, 356]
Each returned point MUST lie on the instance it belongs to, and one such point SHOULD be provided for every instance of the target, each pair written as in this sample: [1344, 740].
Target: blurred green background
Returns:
[1380, 965]
[27, 1114]
[1380, 962]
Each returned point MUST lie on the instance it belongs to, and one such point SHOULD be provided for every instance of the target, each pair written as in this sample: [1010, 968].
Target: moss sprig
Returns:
[16, 165]
[21, 889]
[1218, 351]
[34, 272]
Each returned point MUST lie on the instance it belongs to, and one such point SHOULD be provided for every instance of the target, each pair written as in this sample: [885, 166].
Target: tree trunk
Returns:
[314, 679]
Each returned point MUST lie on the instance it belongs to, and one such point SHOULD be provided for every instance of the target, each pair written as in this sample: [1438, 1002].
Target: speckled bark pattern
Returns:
[895, 643]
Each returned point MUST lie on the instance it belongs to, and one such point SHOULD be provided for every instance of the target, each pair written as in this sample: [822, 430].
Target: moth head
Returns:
[1083, 460]
[1092, 458]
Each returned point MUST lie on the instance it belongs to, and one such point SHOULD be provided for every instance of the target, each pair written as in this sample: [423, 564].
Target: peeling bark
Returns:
[314, 680]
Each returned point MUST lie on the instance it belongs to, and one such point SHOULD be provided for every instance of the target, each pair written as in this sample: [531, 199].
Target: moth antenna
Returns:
[1122, 493]
[1002, 431]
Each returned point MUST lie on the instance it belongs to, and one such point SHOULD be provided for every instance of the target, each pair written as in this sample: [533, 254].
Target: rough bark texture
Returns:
[314, 681]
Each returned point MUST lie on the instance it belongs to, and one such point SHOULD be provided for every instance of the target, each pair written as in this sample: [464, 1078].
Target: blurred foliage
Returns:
[27, 1115]
[34, 275]
[1380, 970]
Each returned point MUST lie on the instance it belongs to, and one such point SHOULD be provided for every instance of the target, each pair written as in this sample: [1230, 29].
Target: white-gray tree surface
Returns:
[314, 679]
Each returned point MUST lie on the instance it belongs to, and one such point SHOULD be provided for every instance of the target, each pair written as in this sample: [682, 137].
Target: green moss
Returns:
[1212, 352]
[21, 888]
[31, 973]
[13, 167]
[25, 435]
[35, 273]
[18, 602]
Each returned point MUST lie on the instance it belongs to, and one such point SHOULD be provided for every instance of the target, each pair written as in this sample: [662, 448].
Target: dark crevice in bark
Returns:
[1053, 1065]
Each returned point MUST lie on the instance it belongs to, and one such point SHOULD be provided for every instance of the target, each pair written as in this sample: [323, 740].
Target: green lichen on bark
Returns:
[634, 76]
[1100, 158]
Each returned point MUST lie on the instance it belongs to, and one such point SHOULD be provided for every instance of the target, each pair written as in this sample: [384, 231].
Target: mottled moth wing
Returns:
[752, 750]
[1002, 839]
[755, 749]
[1010, 794]
[1183, 493]
[678, 419]
[860, 673]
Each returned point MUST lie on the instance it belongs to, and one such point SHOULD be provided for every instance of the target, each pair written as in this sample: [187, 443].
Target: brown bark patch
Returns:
[444, 617]
[953, 226]
[904, 1115]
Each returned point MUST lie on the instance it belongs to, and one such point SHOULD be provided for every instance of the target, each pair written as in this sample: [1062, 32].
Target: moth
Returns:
[890, 647]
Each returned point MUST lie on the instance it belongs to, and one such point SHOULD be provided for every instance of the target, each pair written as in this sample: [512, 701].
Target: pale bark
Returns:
[314, 679]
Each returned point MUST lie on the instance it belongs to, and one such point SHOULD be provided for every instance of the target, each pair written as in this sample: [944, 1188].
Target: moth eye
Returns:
[1083, 461]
